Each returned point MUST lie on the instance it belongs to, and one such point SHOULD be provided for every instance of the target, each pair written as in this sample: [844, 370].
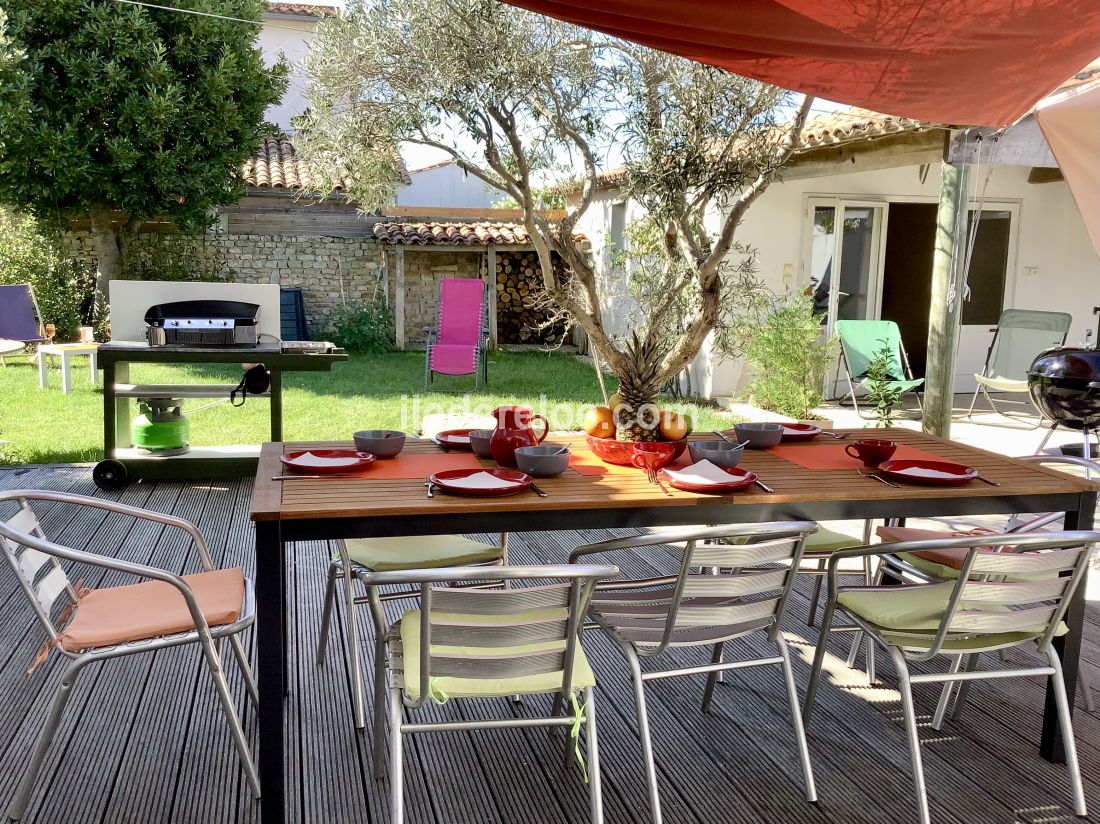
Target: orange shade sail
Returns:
[953, 62]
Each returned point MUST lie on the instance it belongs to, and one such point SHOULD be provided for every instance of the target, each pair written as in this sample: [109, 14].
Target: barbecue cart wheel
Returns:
[110, 474]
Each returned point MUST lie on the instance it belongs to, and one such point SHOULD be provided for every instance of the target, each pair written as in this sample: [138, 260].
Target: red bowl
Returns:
[621, 453]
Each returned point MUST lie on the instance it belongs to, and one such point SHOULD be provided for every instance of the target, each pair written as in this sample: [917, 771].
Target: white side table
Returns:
[66, 351]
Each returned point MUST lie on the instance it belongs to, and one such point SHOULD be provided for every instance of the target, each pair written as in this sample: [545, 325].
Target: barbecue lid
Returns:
[243, 314]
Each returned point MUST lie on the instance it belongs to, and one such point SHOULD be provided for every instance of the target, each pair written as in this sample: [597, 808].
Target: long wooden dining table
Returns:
[313, 509]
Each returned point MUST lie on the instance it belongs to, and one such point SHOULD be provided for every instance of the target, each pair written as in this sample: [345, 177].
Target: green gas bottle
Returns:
[161, 427]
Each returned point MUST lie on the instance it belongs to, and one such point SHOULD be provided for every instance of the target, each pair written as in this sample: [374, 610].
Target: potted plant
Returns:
[882, 389]
[789, 354]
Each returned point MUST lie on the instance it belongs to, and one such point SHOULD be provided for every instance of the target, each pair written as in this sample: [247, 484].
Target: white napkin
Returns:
[480, 480]
[456, 439]
[309, 459]
[703, 472]
[926, 472]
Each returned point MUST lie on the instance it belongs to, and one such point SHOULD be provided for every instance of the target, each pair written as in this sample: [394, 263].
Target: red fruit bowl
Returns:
[621, 453]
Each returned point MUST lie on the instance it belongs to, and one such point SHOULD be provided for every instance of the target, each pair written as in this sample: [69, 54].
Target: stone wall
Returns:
[424, 271]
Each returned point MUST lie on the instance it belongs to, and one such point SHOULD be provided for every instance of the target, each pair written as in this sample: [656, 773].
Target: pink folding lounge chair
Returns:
[457, 346]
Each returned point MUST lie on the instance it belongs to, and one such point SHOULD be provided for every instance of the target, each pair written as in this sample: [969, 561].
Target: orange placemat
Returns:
[419, 466]
[585, 462]
[833, 456]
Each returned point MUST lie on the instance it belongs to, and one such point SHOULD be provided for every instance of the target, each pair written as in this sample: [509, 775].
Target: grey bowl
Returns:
[479, 442]
[759, 435]
[382, 443]
[540, 462]
[717, 452]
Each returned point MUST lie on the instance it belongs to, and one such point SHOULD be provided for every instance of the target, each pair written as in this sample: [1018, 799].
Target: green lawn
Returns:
[367, 392]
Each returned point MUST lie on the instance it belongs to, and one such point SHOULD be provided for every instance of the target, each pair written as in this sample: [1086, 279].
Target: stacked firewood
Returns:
[521, 315]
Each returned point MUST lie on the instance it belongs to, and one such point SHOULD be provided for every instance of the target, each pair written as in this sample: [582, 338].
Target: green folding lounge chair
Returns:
[1019, 336]
[859, 341]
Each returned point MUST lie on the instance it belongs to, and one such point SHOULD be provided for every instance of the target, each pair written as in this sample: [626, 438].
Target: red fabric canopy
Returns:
[954, 62]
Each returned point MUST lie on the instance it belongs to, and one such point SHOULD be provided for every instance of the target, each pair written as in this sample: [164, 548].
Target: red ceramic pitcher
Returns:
[513, 431]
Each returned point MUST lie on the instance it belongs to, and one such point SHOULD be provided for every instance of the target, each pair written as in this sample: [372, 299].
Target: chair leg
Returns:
[643, 735]
[226, 698]
[355, 653]
[326, 613]
[1046, 437]
[712, 678]
[796, 719]
[1085, 689]
[819, 660]
[1069, 743]
[245, 668]
[973, 400]
[61, 697]
[595, 789]
[397, 783]
[946, 693]
[820, 579]
[963, 692]
[911, 733]
[379, 705]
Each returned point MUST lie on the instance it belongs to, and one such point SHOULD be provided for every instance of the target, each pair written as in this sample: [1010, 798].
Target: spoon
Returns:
[743, 444]
[560, 451]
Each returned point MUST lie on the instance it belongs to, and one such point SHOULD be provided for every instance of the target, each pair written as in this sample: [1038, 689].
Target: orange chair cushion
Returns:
[105, 617]
[952, 558]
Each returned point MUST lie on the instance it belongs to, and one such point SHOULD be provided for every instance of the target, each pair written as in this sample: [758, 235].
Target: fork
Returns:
[837, 437]
[878, 478]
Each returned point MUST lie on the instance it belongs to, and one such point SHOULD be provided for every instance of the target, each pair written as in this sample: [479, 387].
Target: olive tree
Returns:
[123, 113]
[510, 95]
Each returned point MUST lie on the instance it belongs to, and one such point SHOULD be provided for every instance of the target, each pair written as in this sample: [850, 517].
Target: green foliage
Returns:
[62, 286]
[878, 382]
[147, 111]
[789, 355]
[361, 326]
[177, 257]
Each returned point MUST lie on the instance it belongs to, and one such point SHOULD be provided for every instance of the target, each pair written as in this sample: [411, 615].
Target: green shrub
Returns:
[62, 286]
[879, 389]
[789, 356]
[361, 326]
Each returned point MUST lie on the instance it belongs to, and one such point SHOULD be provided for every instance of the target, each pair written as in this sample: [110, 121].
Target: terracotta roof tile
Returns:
[455, 234]
[300, 9]
[277, 165]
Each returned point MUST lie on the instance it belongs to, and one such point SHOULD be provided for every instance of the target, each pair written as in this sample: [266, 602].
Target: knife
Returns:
[763, 485]
[534, 488]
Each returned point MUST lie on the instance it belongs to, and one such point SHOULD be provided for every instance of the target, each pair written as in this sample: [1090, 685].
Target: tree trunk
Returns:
[108, 258]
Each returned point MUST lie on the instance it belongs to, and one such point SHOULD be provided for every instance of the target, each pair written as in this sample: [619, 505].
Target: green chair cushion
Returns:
[903, 385]
[546, 682]
[420, 552]
[826, 541]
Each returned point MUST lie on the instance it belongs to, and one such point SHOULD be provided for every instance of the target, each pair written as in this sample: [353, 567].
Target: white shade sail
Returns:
[1071, 123]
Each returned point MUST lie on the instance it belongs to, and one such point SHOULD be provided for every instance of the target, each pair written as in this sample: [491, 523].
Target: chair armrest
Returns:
[693, 534]
[121, 509]
[447, 575]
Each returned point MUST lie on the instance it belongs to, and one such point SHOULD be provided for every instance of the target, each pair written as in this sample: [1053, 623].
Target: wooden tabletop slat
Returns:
[364, 497]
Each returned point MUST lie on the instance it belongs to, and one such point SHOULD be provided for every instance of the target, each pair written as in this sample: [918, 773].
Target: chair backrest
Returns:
[1026, 591]
[40, 575]
[1021, 335]
[19, 318]
[861, 339]
[461, 311]
[547, 618]
[724, 587]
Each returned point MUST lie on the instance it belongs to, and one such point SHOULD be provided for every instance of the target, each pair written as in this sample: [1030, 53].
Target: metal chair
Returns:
[859, 341]
[1020, 335]
[96, 625]
[470, 643]
[366, 556]
[999, 601]
[719, 593]
[458, 345]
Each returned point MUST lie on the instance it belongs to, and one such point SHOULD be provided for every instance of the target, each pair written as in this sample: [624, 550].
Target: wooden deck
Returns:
[143, 740]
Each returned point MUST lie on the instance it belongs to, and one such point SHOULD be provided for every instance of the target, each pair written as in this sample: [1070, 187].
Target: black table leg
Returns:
[270, 670]
[1068, 646]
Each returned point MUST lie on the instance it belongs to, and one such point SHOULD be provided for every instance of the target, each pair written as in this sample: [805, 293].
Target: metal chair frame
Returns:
[481, 359]
[983, 579]
[573, 595]
[725, 610]
[38, 553]
[372, 597]
[851, 379]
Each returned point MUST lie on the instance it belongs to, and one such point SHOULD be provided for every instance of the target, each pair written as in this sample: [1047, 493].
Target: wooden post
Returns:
[945, 310]
[491, 284]
[399, 297]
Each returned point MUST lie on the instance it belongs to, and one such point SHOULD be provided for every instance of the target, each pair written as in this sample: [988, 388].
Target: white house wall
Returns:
[291, 39]
[447, 186]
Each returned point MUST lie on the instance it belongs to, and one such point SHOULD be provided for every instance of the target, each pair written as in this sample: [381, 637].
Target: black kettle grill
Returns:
[1064, 382]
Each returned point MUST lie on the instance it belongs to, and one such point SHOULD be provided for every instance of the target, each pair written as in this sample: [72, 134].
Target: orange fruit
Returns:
[674, 426]
[599, 422]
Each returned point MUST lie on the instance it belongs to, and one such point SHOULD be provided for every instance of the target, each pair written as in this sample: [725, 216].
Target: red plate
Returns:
[929, 473]
[449, 480]
[800, 431]
[454, 439]
[739, 479]
[332, 461]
